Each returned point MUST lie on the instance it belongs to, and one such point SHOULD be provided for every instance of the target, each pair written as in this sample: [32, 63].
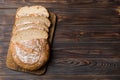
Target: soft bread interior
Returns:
[32, 10]
[29, 34]
[39, 26]
[32, 19]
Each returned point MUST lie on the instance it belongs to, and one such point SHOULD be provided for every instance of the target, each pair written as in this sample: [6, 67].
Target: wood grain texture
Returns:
[86, 44]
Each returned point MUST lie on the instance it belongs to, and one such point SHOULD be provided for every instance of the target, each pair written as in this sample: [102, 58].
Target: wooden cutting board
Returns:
[12, 65]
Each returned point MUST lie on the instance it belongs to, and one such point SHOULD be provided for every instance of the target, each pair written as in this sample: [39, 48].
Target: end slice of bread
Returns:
[32, 10]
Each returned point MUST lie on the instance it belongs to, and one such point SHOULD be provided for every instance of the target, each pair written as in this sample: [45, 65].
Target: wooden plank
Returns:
[77, 50]
[74, 66]
[77, 46]
[79, 53]
[84, 53]
[86, 28]
[81, 33]
[61, 50]
[75, 10]
[54, 3]
[81, 12]
[66, 17]
[75, 21]
[83, 66]
[61, 77]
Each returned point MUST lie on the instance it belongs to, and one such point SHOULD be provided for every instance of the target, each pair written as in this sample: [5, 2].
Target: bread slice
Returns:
[32, 19]
[39, 26]
[29, 34]
[32, 11]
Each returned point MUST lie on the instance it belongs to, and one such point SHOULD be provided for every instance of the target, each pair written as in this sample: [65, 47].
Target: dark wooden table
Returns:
[86, 44]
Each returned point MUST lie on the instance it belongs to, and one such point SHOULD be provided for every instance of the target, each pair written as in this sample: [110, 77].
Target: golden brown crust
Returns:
[44, 55]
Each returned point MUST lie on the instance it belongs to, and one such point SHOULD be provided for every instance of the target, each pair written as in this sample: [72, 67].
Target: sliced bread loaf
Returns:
[29, 45]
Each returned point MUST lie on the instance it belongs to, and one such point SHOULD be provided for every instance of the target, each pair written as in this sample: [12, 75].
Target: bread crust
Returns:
[28, 65]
